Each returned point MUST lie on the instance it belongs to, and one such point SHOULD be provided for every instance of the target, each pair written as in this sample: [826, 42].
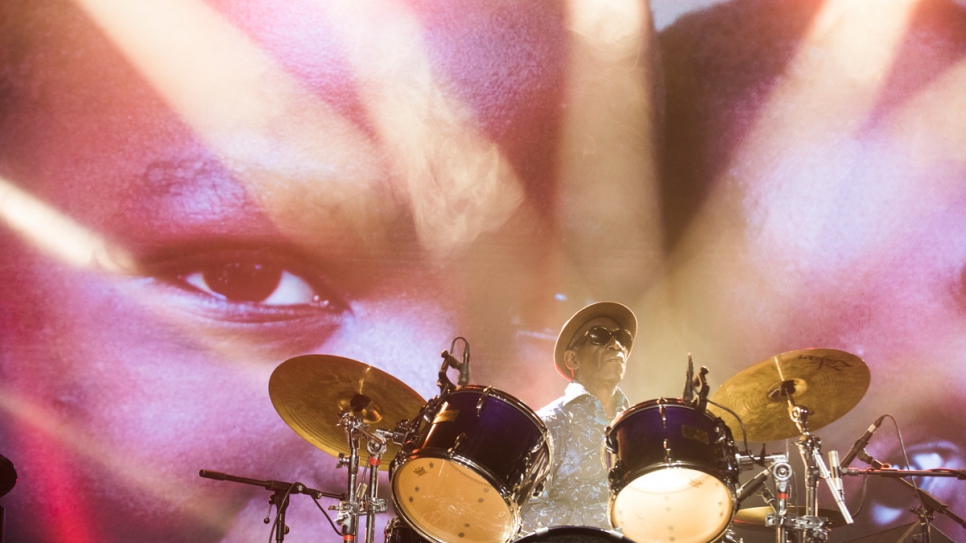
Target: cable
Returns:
[278, 507]
[744, 434]
[327, 517]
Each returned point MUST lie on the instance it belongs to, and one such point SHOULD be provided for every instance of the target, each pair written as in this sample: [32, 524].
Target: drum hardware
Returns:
[759, 518]
[928, 504]
[280, 496]
[809, 447]
[361, 498]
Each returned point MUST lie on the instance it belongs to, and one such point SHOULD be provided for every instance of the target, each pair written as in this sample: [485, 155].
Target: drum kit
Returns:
[463, 465]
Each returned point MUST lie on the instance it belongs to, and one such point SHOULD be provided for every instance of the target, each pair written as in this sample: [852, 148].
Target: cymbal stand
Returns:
[359, 498]
[811, 527]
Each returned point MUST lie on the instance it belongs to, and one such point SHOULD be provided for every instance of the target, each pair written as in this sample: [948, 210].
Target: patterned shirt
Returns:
[576, 492]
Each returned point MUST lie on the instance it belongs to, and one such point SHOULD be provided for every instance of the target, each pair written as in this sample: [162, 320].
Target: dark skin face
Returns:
[599, 368]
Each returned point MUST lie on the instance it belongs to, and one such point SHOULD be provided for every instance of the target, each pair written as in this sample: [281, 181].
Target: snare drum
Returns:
[674, 474]
[466, 475]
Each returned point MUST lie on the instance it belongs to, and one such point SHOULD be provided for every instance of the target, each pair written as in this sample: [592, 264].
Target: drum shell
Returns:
[668, 433]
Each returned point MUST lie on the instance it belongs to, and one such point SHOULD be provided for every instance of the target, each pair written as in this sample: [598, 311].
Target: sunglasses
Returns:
[599, 335]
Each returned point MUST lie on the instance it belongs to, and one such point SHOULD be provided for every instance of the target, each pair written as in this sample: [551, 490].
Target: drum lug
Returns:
[613, 475]
[482, 401]
[667, 452]
[457, 443]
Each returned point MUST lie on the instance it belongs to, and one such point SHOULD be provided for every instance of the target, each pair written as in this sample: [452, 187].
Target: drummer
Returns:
[591, 352]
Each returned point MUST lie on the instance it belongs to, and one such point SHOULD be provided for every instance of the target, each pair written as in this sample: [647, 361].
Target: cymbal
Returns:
[754, 517]
[826, 381]
[311, 392]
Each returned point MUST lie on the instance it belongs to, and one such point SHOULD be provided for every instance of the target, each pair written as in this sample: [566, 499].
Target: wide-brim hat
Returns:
[614, 311]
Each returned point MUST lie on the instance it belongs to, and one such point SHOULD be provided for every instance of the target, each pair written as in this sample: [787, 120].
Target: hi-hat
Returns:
[754, 517]
[826, 381]
[311, 392]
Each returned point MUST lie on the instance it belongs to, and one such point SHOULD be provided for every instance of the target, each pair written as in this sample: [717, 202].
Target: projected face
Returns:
[836, 168]
[195, 195]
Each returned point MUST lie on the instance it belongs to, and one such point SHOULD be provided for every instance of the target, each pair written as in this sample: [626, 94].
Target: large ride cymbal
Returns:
[311, 392]
[826, 381]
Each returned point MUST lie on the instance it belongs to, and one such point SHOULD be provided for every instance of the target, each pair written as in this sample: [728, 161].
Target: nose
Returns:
[616, 345]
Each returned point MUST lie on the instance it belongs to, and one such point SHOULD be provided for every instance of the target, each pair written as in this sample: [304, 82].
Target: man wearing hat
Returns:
[591, 352]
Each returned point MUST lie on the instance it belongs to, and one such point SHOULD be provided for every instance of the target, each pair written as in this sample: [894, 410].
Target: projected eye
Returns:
[249, 285]
[263, 283]
[924, 456]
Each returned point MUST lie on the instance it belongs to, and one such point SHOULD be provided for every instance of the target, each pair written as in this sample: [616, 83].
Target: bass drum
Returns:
[674, 475]
[573, 534]
[465, 476]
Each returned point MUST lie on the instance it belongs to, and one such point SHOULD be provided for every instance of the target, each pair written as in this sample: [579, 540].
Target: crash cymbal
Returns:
[310, 392]
[826, 381]
[754, 517]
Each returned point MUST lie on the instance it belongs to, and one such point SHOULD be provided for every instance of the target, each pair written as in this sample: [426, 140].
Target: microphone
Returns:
[752, 485]
[688, 395]
[862, 442]
[835, 473]
[464, 378]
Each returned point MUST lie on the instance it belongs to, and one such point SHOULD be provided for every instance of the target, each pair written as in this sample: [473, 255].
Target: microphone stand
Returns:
[280, 496]
[929, 505]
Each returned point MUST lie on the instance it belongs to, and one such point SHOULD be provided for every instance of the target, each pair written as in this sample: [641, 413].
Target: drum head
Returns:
[448, 501]
[674, 504]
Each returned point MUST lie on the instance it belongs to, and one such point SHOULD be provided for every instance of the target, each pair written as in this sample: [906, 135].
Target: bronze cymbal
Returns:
[826, 381]
[311, 392]
[754, 517]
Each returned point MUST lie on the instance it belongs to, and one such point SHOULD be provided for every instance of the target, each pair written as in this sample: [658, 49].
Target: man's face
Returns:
[224, 241]
[599, 364]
